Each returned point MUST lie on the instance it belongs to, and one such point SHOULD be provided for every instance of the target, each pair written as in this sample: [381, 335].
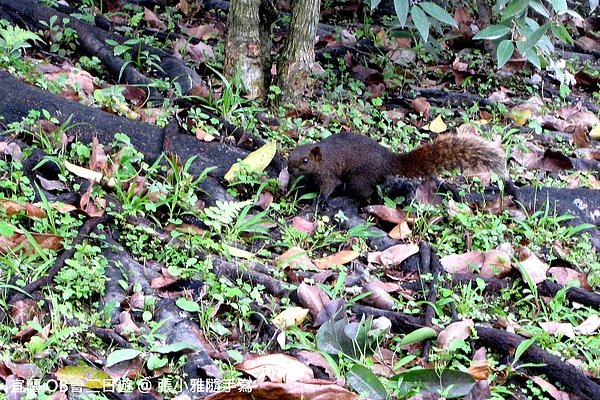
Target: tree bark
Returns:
[298, 55]
[243, 48]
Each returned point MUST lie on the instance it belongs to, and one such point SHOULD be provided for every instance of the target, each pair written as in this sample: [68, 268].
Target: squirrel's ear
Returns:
[315, 153]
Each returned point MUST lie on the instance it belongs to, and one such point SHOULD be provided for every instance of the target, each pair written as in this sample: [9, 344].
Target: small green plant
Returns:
[62, 38]
[234, 222]
[14, 41]
[82, 277]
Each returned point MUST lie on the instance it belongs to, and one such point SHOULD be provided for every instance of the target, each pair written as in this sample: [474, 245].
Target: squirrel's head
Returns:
[305, 160]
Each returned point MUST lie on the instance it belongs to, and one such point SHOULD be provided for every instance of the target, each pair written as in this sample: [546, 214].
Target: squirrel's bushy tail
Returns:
[447, 152]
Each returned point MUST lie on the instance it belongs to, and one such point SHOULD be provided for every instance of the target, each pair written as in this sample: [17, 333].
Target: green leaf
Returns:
[492, 32]
[559, 6]
[118, 356]
[332, 339]
[514, 8]
[401, 7]
[156, 362]
[366, 383]
[523, 346]
[561, 33]
[438, 13]
[175, 348]
[7, 229]
[421, 21]
[418, 335]
[539, 8]
[504, 52]
[534, 38]
[187, 305]
[433, 381]
[533, 58]
[374, 4]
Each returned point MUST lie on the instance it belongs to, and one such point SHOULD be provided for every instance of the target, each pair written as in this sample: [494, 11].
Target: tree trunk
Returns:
[244, 51]
[298, 55]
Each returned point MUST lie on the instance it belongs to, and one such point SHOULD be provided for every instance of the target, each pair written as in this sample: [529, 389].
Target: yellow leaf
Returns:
[595, 132]
[438, 125]
[83, 172]
[520, 116]
[234, 251]
[291, 316]
[255, 161]
[83, 376]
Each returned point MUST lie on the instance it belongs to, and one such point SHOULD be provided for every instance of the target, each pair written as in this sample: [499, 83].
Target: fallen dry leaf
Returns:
[339, 258]
[460, 330]
[550, 388]
[312, 297]
[315, 358]
[488, 264]
[565, 276]
[589, 326]
[400, 231]
[396, 254]
[531, 265]
[296, 258]
[558, 328]
[305, 226]
[380, 294]
[385, 213]
[480, 370]
[316, 389]
[277, 368]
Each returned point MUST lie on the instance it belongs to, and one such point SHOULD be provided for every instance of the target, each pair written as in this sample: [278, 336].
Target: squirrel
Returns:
[361, 163]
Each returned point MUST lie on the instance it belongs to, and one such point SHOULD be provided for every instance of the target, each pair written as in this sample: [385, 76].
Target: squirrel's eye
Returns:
[305, 160]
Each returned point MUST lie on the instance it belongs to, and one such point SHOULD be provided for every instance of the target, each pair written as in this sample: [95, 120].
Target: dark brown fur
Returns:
[361, 163]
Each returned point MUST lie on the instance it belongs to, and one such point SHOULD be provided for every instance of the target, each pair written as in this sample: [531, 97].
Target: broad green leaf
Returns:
[559, 6]
[492, 32]
[561, 33]
[374, 4]
[438, 13]
[539, 8]
[418, 335]
[255, 161]
[175, 347]
[575, 14]
[514, 8]
[533, 58]
[523, 346]
[421, 21]
[433, 381]
[401, 7]
[187, 305]
[332, 339]
[504, 52]
[83, 376]
[118, 356]
[534, 38]
[155, 362]
[366, 383]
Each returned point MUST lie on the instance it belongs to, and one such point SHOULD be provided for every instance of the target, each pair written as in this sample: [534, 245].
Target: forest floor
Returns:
[139, 258]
